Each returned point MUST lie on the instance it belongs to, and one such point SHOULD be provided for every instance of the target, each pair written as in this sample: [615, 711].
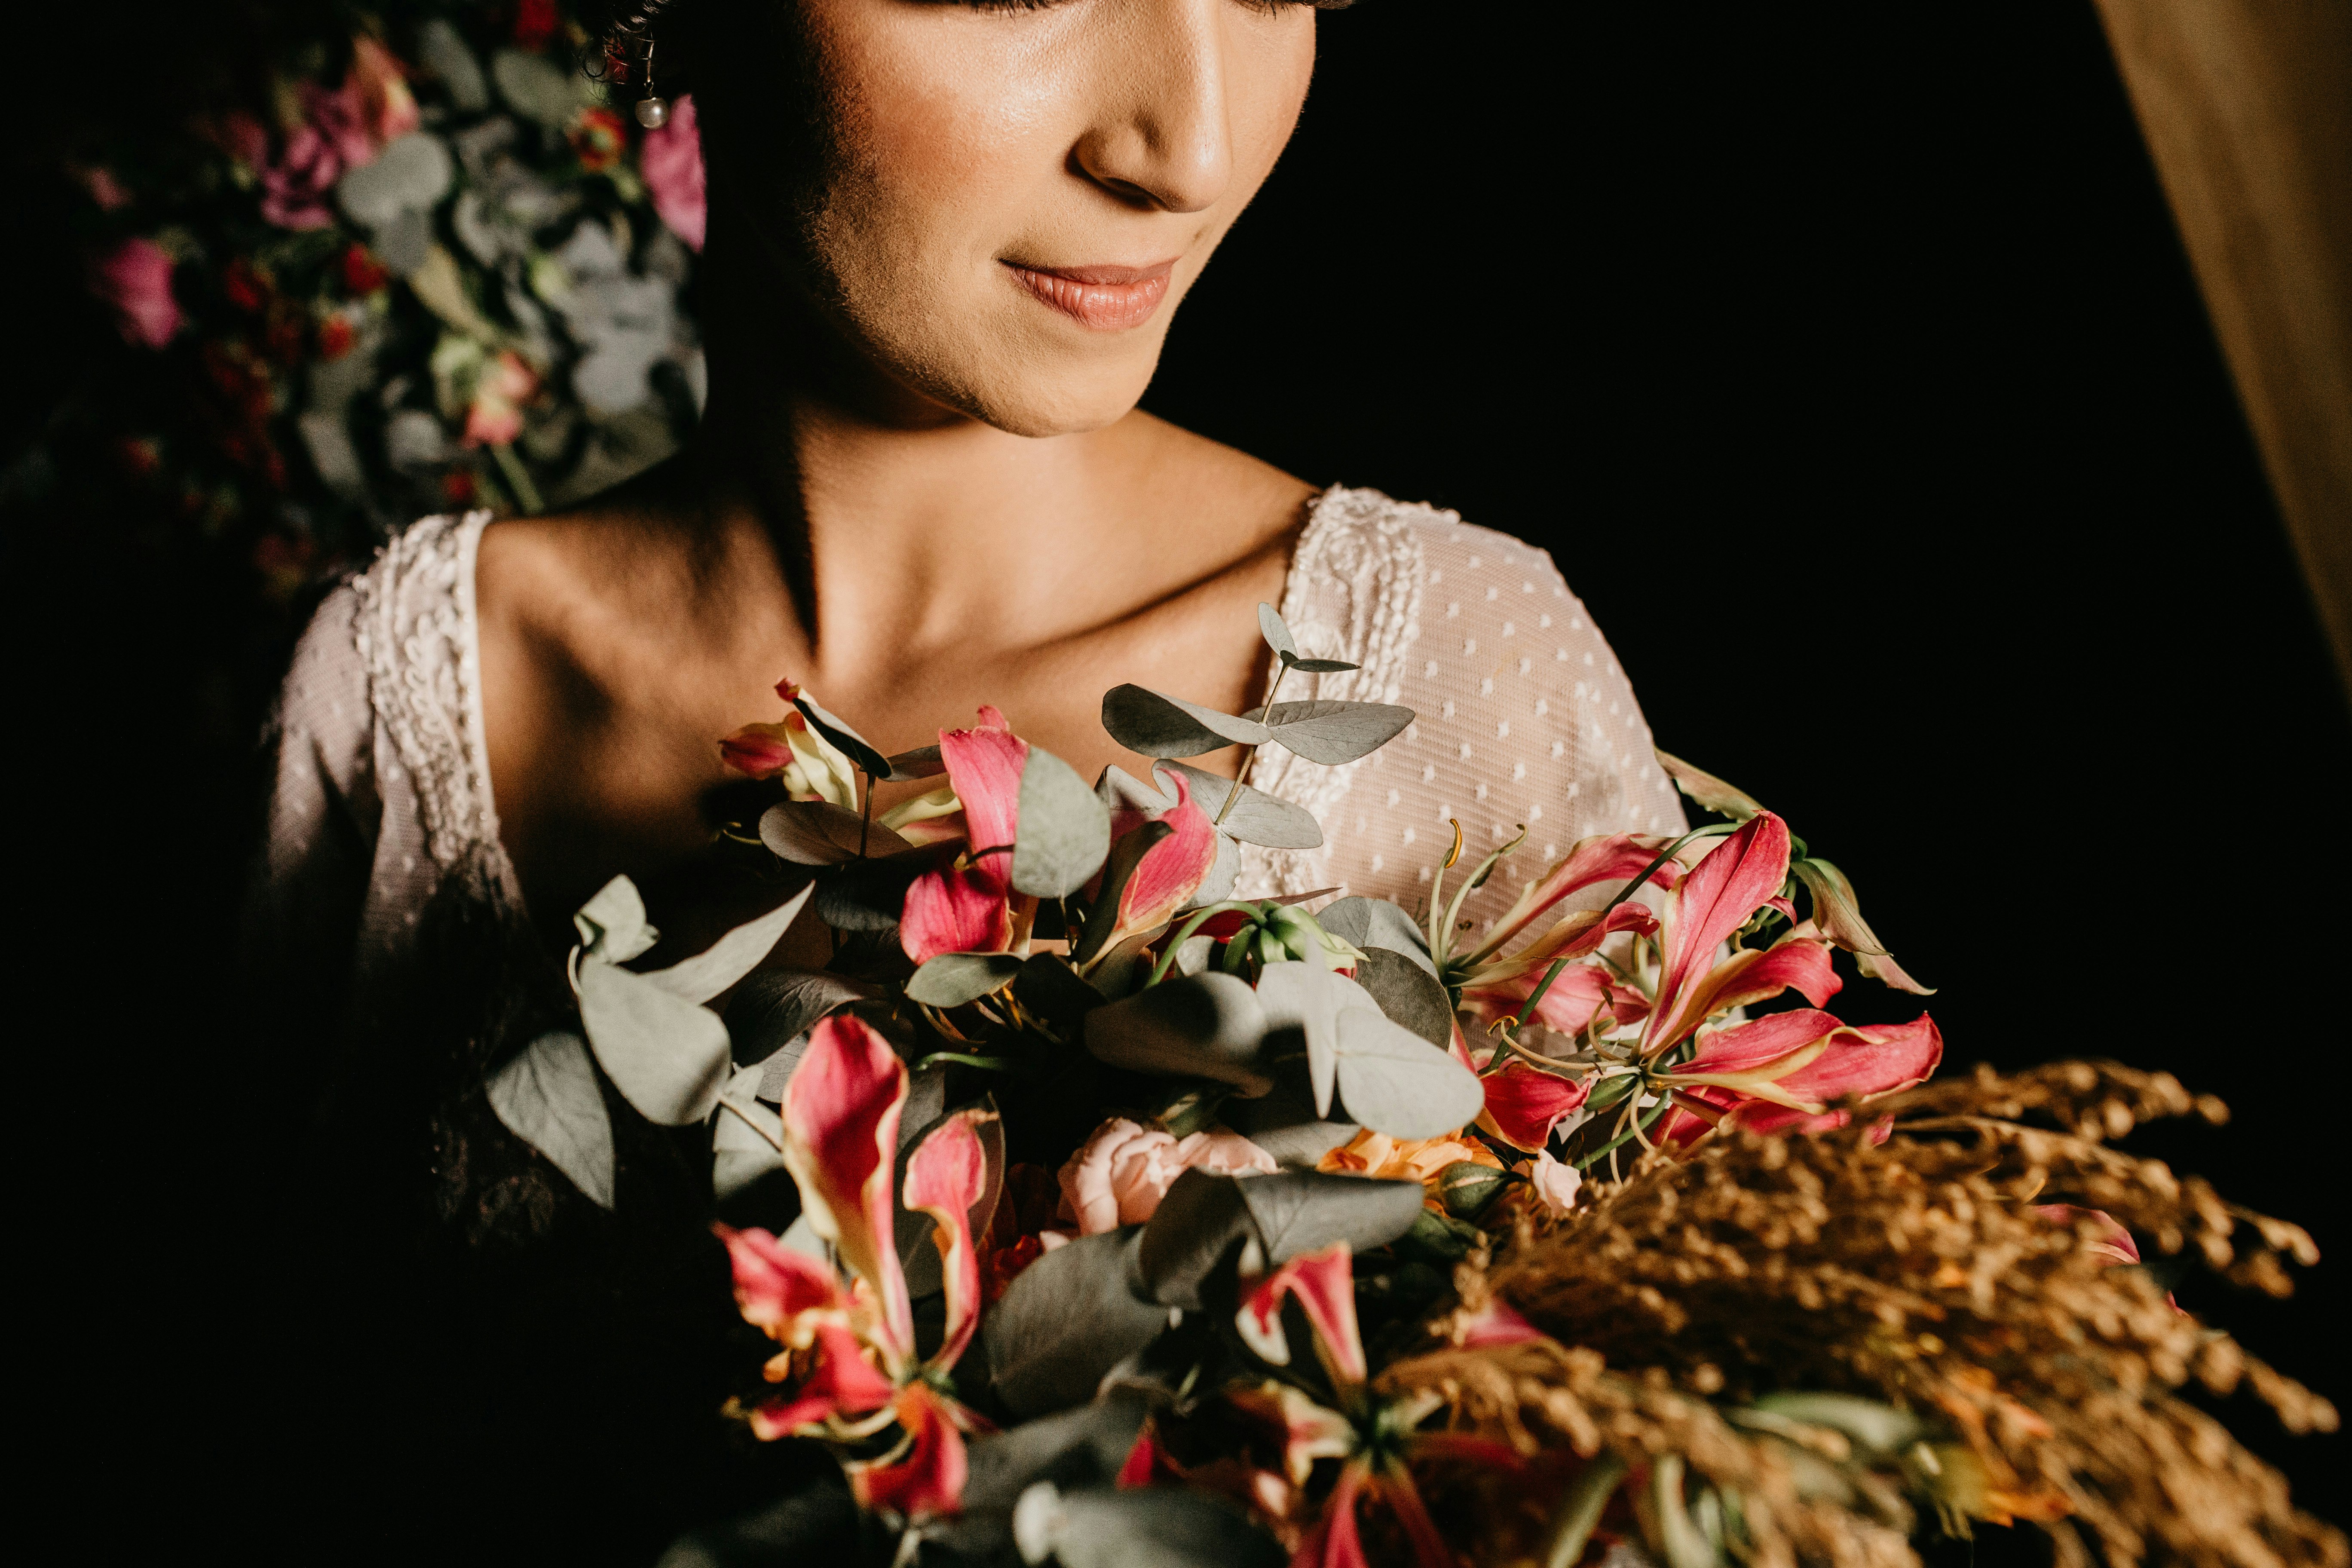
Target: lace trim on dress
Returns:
[1353, 594]
[417, 639]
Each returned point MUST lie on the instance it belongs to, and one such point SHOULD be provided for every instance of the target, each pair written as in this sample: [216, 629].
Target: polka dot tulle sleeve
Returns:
[1525, 718]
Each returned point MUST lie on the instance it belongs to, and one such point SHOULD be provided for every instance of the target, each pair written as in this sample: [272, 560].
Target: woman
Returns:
[946, 242]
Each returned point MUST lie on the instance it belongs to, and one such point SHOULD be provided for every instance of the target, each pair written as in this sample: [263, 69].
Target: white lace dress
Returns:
[382, 808]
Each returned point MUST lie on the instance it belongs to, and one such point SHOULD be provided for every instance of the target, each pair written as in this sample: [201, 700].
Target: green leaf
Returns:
[1368, 923]
[1063, 830]
[857, 747]
[1067, 1321]
[1310, 998]
[1333, 732]
[1880, 1428]
[868, 895]
[1223, 872]
[1321, 665]
[549, 1098]
[1050, 989]
[732, 956]
[1085, 1446]
[1838, 914]
[611, 925]
[1707, 791]
[775, 1007]
[1394, 1081]
[1465, 1187]
[1284, 1123]
[1439, 1239]
[667, 1057]
[1408, 994]
[819, 833]
[739, 1156]
[1194, 1237]
[1202, 1025]
[1149, 1527]
[1256, 817]
[1126, 854]
[1157, 725]
[953, 979]
[922, 762]
[1277, 635]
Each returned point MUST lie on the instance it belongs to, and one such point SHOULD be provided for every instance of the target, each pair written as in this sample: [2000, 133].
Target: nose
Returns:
[1162, 137]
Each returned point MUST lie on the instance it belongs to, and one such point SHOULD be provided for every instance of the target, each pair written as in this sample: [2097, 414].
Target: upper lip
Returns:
[1100, 275]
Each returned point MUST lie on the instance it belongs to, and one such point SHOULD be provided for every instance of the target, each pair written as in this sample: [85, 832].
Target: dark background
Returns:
[1845, 359]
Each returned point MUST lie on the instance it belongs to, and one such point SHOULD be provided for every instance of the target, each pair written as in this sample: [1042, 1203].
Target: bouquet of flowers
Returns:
[431, 265]
[1118, 1216]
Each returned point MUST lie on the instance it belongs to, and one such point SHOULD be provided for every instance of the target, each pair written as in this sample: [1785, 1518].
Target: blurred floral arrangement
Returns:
[436, 269]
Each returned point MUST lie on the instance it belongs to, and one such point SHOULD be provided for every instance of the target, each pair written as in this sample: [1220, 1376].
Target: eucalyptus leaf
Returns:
[1310, 998]
[1117, 789]
[1333, 732]
[1087, 1445]
[819, 833]
[1439, 1239]
[1192, 1239]
[1223, 872]
[1285, 1124]
[868, 895]
[1065, 1322]
[1322, 666]
[816, 1521]
[1202, 1025]
[1368, 923]
[667, 1057]
[611, 925]
[1408, 994]
[1394, 1081]
[732, 956]
[922, 762]
[1271, 627]
[1063, 830]
[548, 1097]
[1257, 818]
[953, 979]
[1050, 989]
[740, 1155]
[1127, 852]
[775, 1007]
[1146, 1527]
[857, 747]
[1157, 725]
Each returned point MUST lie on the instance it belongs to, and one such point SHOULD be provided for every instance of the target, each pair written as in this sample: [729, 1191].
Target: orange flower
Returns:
[1422, 1160]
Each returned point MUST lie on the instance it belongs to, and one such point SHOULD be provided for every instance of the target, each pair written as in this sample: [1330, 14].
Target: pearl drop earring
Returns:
[652, 112]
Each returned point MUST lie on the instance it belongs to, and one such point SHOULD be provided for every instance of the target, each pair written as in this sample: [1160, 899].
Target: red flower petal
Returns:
[1172, 869]
[959, 910]
[843, 1380]
[1525, 1103]
[926, 1480]
[774, 1286]
[944, 1179]
[1714, 900]
[1613, 858]
[759, 750]
[1325, 1284]
[841, 1132]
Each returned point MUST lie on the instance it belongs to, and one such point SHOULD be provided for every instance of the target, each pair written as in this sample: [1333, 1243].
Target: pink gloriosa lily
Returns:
[1779, 1073]
[849, 1345]
[1525, 1103]
[1171, 870]
[1494, 984]
[1373, 1463]
[810, 766]
[969, 908]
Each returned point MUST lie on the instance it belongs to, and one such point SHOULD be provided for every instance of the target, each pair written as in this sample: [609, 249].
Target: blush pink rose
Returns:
[1123, 1171]
[671, 162]
[294, 188]
[135, 278]
[1554, 1182]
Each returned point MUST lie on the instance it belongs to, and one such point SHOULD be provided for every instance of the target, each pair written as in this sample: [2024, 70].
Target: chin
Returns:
[1046, 388]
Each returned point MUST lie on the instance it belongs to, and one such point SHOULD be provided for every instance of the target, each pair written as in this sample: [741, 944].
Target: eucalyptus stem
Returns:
[1249, 755]
[993, 1064]
[752, 1123]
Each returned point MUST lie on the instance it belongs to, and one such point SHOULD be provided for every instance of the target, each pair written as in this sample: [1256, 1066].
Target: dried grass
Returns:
[1916, 1272]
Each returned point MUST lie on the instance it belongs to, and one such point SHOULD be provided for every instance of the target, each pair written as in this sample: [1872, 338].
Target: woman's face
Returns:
[998, 205]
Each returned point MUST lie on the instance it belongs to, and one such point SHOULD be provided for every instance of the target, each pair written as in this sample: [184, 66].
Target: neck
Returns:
[887, 515]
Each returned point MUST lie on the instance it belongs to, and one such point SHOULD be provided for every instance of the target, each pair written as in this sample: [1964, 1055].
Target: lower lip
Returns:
[1106, 307]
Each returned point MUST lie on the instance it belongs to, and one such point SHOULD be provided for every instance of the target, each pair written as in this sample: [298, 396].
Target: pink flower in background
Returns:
[135, 278]
[1123, 1171]
[671, 162]
[294, 187]
[496, 417]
